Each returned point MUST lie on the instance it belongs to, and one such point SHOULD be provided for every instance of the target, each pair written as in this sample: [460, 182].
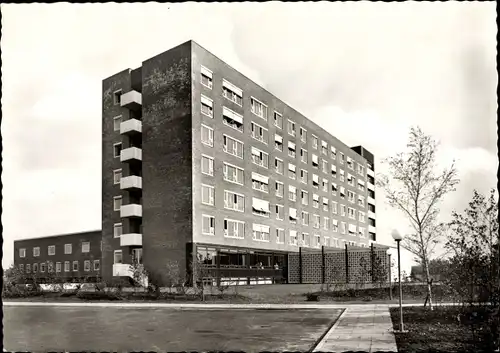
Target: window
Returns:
[260, 182]
[278, 120]
[207, 106]
[292, 216]
[342, 158]
[324, 166]
[36, 251]
[207, 225]
[303, 135]
[350, 163]
[232, 119]
[361, 185]
[260, 207]
[234, 229]
[334, 171]
[303, 155]
[334, 188]
[117, 257]
[342, 192]
[316, 221]
[280, 188]
[97, 265]
[207, 194]
[291, 128]
[280, 236]
[352, 229]
[260, 133]
[279, 165]
[207, 165]
[334, 207]
[260, 232]
[361, 170]
[260, 158]
[326, 241]
[280, 212]
[351, 213]
[22, 252]
[207, 135]
[324, 147]
[66, 266]
[85, 246]
[117, 149]
[315, 142]
[317, 241]
[278, 142]
[325, 204]
[117, 203]
[233, 174]
[361, 200]
[306, 240]
[258, 108]
[35, 268]
[117, 97]
[361, 216]
[232, 92]
[333, 152]
[342, 227]
[86, 265]
[75, 266]
[315, 181]
[315, 160]
[342, 210]
[68, 249]
[335, 242]
[291, 171]
[326, 222]
[292, 193]
[315, 201]
[305, 197]
[291, 149]
[361, 232]
[51, 250]
[303, 176]
[58, 267]
[305, 218]
[42, 267]
[117, 120]
[206, 77]
[293, 237]
[350, 196]
[324, 185]
[234, 201]
[350, 179]
[117, 176]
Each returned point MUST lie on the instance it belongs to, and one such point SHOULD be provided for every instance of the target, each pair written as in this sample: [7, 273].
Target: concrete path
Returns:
[367, 329]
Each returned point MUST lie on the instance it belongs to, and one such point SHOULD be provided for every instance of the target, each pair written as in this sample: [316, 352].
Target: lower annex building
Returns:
[201, 164]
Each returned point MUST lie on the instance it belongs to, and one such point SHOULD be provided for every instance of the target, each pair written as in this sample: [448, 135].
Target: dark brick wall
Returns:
[121, 81]
[359, 264]
[167, 162]
[76, 239]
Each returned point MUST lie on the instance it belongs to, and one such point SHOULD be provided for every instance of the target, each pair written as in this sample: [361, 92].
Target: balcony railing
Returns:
[370, 186]
[131, 154]
[371, 200]
[122, 270]
[131, 126]
[371, 215]
[131, 182]
[131, 239]
[132, 210]
[372, 229]
[131, 100]
[370, 172]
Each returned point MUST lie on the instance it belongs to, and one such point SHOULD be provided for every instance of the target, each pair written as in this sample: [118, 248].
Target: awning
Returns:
[316, 178]
[261, 178]
[232, 87]
[315, 159]
[315, 197]
[324, 144]
[334, 185]
[292, 188]
[333, 149]
[293, 213]
[352, 228]
[206, 72]
[335, 222]
[255, 152]
[293, 233]
[342, 190]
[291, 145]
[278, 138]
[361, 182]
[260, 205]
[334, 168]
[325, 201]
[291, 167]
[232, 115]
[207, 101]
[342, 171]
[260, 228]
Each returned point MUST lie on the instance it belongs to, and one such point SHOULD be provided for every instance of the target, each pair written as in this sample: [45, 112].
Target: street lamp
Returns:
[398, 237]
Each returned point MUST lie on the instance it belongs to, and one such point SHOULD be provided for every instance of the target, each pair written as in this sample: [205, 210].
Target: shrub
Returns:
[312, 297]
[97, 296]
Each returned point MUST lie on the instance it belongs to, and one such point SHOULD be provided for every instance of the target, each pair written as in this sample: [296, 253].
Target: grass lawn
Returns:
[56, 329]
[439, 331]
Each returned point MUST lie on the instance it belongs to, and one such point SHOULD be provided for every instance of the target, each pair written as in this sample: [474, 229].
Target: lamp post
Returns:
[398, 237]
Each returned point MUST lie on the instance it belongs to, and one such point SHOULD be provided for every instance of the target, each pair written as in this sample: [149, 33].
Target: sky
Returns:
[364, 71]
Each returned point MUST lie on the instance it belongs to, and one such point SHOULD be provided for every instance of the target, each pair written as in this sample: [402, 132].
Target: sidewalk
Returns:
[367, 329]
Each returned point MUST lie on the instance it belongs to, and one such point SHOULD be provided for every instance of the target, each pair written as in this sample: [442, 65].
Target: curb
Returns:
[320, 344]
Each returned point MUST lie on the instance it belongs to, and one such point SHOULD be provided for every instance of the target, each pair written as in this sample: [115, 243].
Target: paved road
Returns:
[46, 328]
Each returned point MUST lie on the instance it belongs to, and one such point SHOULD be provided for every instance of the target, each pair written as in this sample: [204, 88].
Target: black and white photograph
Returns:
[250, 177]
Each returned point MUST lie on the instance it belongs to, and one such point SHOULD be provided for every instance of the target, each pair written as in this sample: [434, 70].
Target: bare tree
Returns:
[415, 187]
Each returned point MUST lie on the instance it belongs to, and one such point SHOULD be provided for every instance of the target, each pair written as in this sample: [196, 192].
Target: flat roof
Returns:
[60, 235]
